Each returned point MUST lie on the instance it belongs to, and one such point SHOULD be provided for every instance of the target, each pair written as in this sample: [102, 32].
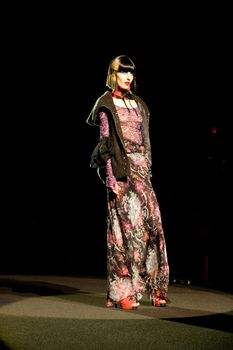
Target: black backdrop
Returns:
[182, 74]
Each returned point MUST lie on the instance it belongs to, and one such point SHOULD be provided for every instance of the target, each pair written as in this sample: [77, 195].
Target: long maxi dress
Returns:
[136, 248]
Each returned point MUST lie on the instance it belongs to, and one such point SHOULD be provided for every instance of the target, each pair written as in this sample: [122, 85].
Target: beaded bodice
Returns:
[131, 122]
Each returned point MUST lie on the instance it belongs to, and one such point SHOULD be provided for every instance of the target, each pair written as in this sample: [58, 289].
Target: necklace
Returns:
[122, 94]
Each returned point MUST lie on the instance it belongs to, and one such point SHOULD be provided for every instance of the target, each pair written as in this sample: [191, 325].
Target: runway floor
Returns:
[38, 300]
[21, 295]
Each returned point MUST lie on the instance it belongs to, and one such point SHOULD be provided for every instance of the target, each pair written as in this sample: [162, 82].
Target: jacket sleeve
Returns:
[104, 133]
[103, 150]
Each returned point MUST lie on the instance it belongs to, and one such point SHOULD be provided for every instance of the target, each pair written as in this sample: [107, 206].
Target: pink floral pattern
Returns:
[136, 249]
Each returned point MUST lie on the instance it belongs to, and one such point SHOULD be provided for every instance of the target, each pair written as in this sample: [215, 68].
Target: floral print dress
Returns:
[136, 249]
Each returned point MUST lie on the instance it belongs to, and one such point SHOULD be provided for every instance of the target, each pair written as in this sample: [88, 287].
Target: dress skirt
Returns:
[136, 248]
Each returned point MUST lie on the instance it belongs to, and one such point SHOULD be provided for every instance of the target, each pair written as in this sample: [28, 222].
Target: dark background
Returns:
[183, 74]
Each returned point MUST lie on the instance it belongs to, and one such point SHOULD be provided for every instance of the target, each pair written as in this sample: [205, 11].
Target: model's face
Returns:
[124, 79]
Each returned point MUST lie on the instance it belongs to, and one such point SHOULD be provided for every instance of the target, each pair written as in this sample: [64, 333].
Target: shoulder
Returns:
[103, 99]
[103, 102]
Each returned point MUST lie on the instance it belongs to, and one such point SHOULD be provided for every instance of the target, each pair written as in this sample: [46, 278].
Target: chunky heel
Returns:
[110, 303]
[157, 300]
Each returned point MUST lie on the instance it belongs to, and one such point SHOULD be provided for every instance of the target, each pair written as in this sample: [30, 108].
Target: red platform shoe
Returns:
[157, 300]
[128, 304]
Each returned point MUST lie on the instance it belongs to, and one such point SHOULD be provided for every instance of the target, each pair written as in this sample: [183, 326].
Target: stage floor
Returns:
[84, 298]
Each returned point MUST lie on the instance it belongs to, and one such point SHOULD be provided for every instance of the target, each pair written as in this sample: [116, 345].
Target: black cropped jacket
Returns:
[113, 146]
